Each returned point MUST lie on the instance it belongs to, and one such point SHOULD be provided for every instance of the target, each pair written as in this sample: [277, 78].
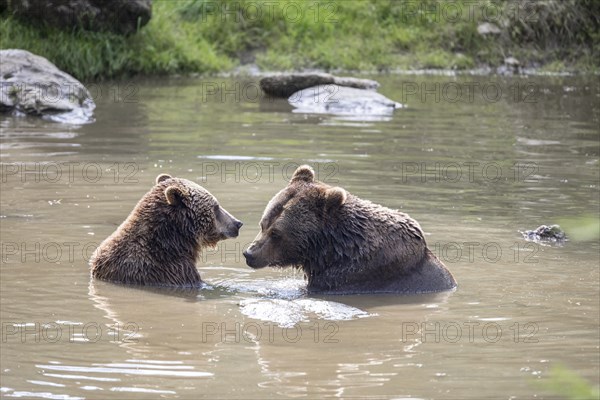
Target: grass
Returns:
[202, 36]
[569, 385]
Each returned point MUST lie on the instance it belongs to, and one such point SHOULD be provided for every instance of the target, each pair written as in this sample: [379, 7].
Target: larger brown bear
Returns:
[160, 242]
[345, 244]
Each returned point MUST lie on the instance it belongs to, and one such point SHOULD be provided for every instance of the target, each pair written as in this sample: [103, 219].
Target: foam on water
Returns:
[284, 302]
[288, 288]
[288, 313]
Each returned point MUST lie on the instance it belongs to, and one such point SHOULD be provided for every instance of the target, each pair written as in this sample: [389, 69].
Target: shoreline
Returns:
[183, 38]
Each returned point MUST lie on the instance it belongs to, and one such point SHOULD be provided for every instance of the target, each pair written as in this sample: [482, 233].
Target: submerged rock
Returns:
[30, 84]
[284, 85]
[118, 16]
[340, 100]
[544, 233]
[321, 93]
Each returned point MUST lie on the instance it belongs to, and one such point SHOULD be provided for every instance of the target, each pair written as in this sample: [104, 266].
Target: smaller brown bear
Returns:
[160, 241]
[345, 244]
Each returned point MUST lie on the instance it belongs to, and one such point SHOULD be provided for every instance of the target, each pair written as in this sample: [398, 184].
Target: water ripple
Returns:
[133, 370]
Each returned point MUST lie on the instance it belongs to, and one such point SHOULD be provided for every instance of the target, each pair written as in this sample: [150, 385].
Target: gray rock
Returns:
[487, 28]
[544, 233]
[341, 100]
[511, 66]
[512, 62]
[118, 16]
[284, 85]
[357, 83]
[30, 84]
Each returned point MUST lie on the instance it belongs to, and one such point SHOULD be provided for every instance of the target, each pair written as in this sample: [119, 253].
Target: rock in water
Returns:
[284, 85]
[357, 83]
[118, 16]
[31, 84]
[340, 100]
[544, 233]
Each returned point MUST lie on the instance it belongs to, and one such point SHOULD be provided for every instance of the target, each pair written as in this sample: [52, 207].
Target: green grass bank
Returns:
[209, 36]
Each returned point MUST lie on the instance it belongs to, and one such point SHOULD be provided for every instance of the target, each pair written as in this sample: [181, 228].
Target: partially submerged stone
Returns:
[545, 233]
[284, 85]
[340, 100]
[30, 84]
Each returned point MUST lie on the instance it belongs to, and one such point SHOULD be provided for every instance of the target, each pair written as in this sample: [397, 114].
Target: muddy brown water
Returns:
[475, 159]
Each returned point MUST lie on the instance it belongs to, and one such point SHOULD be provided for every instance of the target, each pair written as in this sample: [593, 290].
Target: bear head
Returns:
[293, 221]
[194, 210]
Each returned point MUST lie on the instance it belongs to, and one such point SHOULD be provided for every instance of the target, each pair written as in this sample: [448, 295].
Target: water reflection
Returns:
[335, 371]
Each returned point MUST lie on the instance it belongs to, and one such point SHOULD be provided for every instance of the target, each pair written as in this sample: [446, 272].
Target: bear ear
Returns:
[162, 177]
[174, 195]
[334, 198]
[303, 173]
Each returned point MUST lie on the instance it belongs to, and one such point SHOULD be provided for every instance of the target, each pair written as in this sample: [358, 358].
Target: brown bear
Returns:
[345, 244]
[160, 241]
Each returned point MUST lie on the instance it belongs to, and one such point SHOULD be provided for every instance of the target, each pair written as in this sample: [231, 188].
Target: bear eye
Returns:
[275, 234]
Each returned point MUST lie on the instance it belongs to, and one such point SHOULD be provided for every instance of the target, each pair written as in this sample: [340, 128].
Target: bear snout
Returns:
[251, 259]
[234, 229]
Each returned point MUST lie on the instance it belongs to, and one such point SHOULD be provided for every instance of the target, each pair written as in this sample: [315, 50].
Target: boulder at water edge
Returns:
[30, 84]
